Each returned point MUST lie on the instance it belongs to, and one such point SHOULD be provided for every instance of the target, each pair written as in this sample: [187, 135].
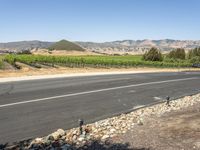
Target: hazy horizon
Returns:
[100, 42]
[99, 21]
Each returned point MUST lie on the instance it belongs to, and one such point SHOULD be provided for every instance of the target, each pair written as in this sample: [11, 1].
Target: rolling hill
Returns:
[24, 45]
[66, 45]
[139, 46]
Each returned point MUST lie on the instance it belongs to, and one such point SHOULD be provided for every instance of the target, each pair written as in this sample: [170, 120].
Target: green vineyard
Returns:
[91, 61]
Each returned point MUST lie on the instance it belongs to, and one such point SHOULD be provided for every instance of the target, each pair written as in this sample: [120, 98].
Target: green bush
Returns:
[153, 55]
[10, 59]
[195, 60]
[1, 63]
[178, 53]
[193, 53]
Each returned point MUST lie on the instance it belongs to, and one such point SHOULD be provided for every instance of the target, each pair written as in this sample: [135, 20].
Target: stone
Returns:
[61, 132]
[140, 122]
[112, 130]
[55, 135]
[197, 145]
[38, 140]
[74, 138]
[81, 138]
[55, 144]
[65, 147]
[105, 137]
[50, 137]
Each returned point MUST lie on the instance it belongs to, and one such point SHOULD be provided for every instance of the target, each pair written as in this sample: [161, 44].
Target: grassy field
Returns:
[92, 61]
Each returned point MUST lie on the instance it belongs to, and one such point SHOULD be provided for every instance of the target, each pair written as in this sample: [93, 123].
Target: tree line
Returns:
[178, 54]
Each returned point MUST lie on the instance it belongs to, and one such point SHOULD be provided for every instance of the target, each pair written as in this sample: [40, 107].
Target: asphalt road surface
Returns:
[36, 108]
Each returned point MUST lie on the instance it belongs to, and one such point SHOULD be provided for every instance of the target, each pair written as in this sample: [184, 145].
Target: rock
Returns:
[88, 137]
[47, 142]
[81, 138]
[84, 133]
[123, 125]
[197, 145]
[61, 132]
[50, 138]
[112, 130]
[56, 144]
[75, 132]
[55, 135]
[65, 147]
[74, 138]
[105, 137]
[140, 122]
[38, 141]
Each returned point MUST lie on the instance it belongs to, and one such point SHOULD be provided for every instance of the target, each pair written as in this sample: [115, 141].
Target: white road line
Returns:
[94, 91]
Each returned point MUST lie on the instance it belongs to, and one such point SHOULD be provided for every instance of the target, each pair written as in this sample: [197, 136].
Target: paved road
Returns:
[38, 107]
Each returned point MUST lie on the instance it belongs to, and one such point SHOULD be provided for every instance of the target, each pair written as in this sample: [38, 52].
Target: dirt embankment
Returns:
[48, 70]
[179, 130]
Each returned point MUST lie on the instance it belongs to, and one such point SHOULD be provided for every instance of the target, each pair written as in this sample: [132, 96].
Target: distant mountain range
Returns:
[138, 46]
[24, 45]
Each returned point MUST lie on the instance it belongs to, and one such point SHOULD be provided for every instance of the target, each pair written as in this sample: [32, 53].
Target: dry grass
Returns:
[63, 53]
[30, 71]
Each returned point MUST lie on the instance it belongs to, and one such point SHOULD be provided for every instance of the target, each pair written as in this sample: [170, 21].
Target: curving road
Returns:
[38, 107]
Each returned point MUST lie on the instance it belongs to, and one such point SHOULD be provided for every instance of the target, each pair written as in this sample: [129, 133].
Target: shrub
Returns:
[195, 60]
[178, 53]
[28, 52]
[153, 55]
[1, 63]
[193, 53]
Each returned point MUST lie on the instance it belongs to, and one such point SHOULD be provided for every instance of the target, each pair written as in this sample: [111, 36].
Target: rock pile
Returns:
[105, 129]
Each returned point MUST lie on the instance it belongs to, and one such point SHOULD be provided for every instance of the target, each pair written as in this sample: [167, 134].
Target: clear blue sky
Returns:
[99, 20]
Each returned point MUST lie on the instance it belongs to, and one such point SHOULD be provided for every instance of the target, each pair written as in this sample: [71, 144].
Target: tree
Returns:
[194, 53]
[178, 53]
[153, 55]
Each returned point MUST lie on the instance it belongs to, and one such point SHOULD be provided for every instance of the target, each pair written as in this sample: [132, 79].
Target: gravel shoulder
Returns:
[175, 130]
[159, 127]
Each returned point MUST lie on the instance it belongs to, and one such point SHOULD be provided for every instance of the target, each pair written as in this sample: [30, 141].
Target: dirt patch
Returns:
[173, 131]
[30, 71]
[63, 53]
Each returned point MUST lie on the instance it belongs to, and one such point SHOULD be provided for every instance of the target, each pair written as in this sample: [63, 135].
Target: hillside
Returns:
[139, 46]
[24, 45]
[65, 45]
